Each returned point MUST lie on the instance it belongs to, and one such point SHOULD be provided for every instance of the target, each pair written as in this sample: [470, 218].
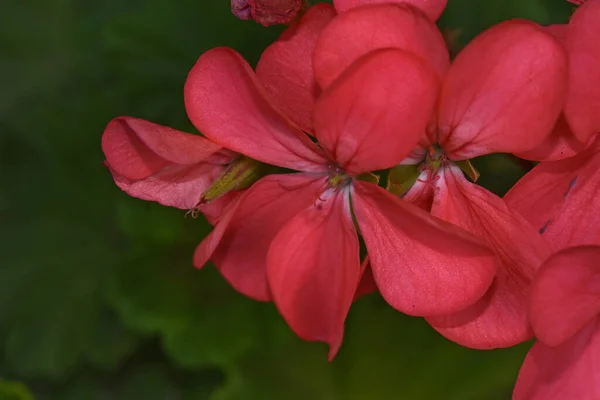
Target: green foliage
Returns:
[90, 279]
[14, 391]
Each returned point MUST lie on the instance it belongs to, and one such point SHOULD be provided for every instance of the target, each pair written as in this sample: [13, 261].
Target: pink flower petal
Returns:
[180, 186]
[376, 112]
[559, 145]
[583, 99]
[314, 270]
[239, 243]
[499, 319]
[504, 92]
[569, 371]
[225, 101]
[565, 294]
[285, 67]
[422, 266]
[136, 149]
[561, 199]
[433, 8]
[360, 31]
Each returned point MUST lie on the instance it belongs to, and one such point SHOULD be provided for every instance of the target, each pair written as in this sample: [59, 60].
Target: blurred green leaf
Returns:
[202, 322]
[14, 391]
[147, 381]
[51, 299]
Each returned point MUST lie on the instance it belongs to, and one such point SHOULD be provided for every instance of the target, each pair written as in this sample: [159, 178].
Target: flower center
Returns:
[338, 178]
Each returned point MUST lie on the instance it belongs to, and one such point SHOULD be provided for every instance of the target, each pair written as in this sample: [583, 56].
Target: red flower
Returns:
[580, 122]
[561, 198]
[291, 237]
[503, 93]
[564, 308]
[267, 12]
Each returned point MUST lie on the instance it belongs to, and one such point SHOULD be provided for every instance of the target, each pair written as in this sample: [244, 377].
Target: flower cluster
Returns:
[337, 168]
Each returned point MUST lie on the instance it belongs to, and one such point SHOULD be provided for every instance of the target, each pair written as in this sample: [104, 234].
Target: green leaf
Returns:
[201, 320]
[14, 391]
[51, 299]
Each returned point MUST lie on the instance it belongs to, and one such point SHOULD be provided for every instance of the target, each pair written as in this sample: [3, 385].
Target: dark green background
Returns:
[98, 297]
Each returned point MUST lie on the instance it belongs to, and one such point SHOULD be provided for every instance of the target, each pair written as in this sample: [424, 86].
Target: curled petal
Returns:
[136, 149]
[499, 319]
[285, 67]
[314, 270]
[376, 112]
[504, 92]
[568, 371]
[561, 199]
[360, 31]
[432, 8]
[565, 294]
[239, 243]
[559, 145]
[583, 99]
[225, 101]
[422, 266]
[179, 186]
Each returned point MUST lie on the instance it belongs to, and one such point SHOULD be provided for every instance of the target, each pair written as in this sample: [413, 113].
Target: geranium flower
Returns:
[503, 93]
[561, 198]
[292, 237]
[564, 308]
[580, 122]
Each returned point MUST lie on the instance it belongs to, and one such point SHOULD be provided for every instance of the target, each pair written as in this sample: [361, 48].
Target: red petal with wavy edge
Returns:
[239, 243]
[561, 199]
[569, 371]
[583, 99]
[227, 103]
[136, 148]
[358, 32]
[285, 67]
[559, 145]
[565, 294]
[422, 266]
[504, 92]
[432, 8]
[314, 270]
[499, 319]
[376, 112]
